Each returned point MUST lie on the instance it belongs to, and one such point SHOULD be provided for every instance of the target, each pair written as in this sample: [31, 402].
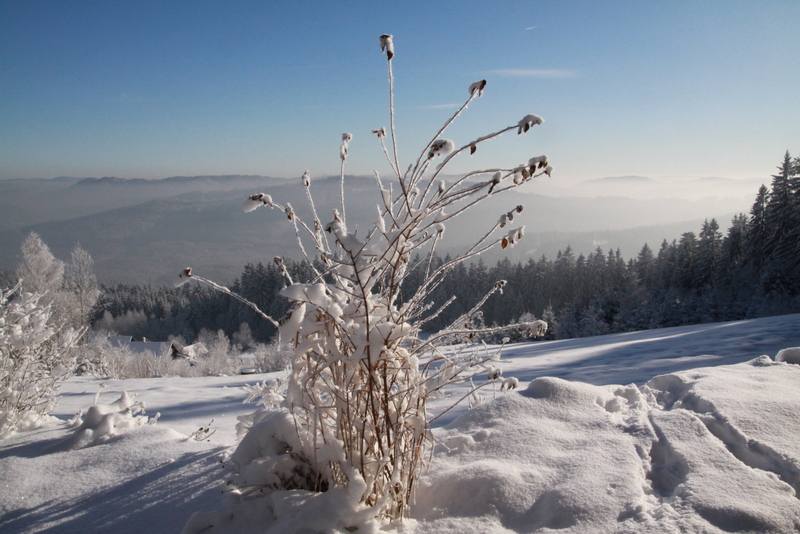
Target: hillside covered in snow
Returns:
[689, 429]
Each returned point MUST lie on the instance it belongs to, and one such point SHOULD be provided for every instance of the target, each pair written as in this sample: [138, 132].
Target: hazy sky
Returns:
[155, 89]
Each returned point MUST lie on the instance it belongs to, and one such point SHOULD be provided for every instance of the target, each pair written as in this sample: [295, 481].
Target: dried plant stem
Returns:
[391, 120]
[361, 378]
[223, 289]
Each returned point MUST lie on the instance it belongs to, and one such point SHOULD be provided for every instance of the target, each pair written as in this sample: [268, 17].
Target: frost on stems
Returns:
[35, 355]
[358, 389]
[346, 138]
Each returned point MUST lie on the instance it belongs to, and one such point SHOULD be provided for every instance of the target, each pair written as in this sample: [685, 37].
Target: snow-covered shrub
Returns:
[101, 358]
[91, 357]
[274, 356]
[526, 328]
[34, 356]
[355, 414]
[218, 359]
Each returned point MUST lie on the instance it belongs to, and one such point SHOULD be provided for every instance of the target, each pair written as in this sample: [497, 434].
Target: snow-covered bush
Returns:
[212, 356]
[526, 328]
[34, 356]
[217, 360]
[355, 413]
[274, 356]
[101, 358]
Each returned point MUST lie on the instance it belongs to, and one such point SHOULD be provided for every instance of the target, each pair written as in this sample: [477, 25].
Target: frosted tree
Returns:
[34, 356]
[40, 271]
[361, 379]
[80, 281]
[69, 288]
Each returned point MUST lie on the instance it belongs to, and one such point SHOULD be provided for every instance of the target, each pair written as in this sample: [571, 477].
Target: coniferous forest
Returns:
[750, 270]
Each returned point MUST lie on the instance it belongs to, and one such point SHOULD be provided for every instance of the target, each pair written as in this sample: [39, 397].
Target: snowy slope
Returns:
[708, 446]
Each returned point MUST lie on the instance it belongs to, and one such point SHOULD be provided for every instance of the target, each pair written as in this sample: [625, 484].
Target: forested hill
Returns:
[751, 269]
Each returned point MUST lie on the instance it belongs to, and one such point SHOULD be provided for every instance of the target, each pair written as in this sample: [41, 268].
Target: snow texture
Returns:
[706, 445]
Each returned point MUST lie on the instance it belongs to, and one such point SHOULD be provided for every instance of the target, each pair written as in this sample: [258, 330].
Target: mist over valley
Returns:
[145, 231]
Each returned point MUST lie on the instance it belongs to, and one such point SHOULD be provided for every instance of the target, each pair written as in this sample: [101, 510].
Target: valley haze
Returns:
[145, 231]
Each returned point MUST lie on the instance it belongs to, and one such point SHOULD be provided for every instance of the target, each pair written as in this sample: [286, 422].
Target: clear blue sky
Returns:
[155, 89]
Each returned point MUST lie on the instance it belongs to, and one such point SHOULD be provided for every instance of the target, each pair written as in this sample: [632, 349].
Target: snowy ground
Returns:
[708, 446]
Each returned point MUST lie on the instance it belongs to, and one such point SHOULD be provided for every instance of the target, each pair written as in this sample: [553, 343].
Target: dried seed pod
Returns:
[441, 147]
[346, 138]
[527, 122]
[387, 45]
[496, 179]
[256, 201]
[184, 277]
[477, 86]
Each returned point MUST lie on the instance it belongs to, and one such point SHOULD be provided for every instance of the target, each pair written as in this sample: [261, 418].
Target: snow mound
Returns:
[558, 455]
[708, 450]
[104, 421]
[789, 356]
[267, 459]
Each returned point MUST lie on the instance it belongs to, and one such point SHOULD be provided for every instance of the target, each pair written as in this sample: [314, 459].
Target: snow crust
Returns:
[692, 448]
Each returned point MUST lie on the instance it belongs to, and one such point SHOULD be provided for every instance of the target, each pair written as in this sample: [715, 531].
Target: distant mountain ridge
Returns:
[622, 179]
[225, 179]
[143, 230]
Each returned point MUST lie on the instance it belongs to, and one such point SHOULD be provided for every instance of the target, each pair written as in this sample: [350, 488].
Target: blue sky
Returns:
[156, 89]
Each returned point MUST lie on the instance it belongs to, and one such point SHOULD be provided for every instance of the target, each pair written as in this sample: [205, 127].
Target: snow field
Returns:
[703, 449]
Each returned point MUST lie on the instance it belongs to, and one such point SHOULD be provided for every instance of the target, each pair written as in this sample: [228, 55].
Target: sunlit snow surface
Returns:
[709, 446]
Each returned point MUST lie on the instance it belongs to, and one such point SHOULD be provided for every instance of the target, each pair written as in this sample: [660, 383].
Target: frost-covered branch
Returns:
[187, 275]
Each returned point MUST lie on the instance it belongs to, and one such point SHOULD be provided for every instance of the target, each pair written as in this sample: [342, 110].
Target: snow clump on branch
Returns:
[441, 147]
[256, 201]
[387, 45]
[528, 122]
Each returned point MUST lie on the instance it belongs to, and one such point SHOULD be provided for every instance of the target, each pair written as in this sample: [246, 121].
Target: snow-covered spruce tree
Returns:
[34, 356]
[361, 379]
